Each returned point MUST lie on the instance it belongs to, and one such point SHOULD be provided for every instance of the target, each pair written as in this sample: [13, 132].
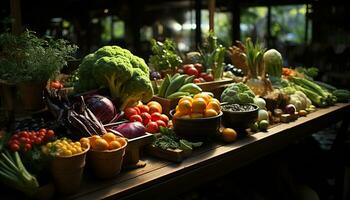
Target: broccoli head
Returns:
[238, 93]
[139, 87]
[112, 72]
[117, 69]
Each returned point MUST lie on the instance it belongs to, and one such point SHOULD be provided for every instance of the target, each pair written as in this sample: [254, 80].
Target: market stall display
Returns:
[114, 110]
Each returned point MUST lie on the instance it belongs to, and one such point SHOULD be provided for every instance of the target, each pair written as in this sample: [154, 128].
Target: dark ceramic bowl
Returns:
[239, 119]
[196, 129]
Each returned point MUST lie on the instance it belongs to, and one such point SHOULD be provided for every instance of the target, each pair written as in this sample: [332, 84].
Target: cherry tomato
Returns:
[196, 80]
[14, 147]
[38, 140]
[24, 140]
[41, 134]
[152, 127]
[199, 67]
[15, 141]
[208, 77]
[135, 118]
[146, 118]
[43, 130]
[186, 67]
[161, 123]
[192, 71]
[50, 133]
[143, 108]
[24, 134]
[27, 147]
[155, 116]
[164, 118]
[130, 112]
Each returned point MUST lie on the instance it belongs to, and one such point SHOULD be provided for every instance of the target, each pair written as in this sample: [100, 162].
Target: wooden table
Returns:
[160, 177]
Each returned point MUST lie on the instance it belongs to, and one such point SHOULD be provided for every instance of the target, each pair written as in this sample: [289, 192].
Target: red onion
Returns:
[102, 107]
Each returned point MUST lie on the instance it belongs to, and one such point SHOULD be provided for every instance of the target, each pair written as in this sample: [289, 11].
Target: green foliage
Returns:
[254, 53]
[29, 58]
[164, 55]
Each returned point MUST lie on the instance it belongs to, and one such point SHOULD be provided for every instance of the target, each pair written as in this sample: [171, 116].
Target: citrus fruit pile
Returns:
[202, 105]
[108, 141]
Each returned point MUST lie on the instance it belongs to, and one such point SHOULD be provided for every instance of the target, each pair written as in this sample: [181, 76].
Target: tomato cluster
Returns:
[149, 115]
[24, 140]
[197, 71]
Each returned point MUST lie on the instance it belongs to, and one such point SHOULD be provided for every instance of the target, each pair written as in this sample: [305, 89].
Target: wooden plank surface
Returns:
[160, 177]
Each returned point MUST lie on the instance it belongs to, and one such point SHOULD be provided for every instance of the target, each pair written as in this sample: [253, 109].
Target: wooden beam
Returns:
[198, 35]
[16, 16]
[211, 8]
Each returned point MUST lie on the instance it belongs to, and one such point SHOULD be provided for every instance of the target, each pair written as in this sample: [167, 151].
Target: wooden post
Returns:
[211, 8]
[16, 16]
[198, 35]
[236, 20]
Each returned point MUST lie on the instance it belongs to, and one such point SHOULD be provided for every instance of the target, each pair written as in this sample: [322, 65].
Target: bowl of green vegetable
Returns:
[239, 116]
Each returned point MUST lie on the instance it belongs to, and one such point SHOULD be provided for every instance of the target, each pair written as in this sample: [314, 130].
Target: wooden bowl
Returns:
[199, 129]
[239, 119]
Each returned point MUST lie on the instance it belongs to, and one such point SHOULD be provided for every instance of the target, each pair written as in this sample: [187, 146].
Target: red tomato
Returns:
[155, 116]
[196, 80]
[24, 134]
[146, 118]
[14, 147]
[50, 133]
[199, 67]
[130, 112]
[164, 118]
[143, 108]
[203, 74]
[41, 134]
[137, 110]
[24, 140]
[186, 67]
[135, 118]
[152, 127]
[192, 71]
[27, 147]
[161, 123]
[43, 130]
[15, 141]
[209, 77]
[38, 140]
[56, 85]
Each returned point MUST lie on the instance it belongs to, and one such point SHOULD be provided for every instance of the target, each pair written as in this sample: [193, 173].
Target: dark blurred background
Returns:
[310, 33]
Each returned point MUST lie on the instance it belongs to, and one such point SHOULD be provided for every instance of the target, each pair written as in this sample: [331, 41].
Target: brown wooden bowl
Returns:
[199, 129]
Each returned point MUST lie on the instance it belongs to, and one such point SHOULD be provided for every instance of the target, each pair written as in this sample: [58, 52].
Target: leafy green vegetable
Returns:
[273, 62]
[126, 75]
[28, 58]
[309, 73]
[255, 53]
[164, 55]
[238, 93]
[169, 140]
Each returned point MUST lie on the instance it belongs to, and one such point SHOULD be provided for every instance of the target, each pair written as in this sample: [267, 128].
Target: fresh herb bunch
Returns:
[28, 58]
[255, 53]
[164, 56]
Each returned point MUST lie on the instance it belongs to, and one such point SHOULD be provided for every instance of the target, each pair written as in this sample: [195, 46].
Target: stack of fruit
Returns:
[196, 70]
[25, 140]
[107, 141]
[149, 115]
[177, 86]
[64, 147]
[201, 105]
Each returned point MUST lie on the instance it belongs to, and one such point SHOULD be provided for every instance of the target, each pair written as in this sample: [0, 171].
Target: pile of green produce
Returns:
[164, 56]
[238, 93]
[169, 140]
[126, 75]
[178, 86]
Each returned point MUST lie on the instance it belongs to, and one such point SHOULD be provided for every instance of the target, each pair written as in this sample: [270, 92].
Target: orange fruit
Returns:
[121, 141]
[109, 137]
[215, 100]
[199, 105]
[114, 145]
[93, 139]
[210, 113]
[229, 135]
[206, 97]
[100, 144]
[186, 98]
[185, 106]
[154, 103]
[84, 140]
[155, 108]
[196, 115]
[214, 105]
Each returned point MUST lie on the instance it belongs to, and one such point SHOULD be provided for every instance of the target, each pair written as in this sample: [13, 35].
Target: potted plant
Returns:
[28, 62]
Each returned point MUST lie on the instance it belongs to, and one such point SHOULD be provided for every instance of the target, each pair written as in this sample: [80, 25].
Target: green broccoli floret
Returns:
[139, 87]
[112, 72]
[238, 93]
[117, 69]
